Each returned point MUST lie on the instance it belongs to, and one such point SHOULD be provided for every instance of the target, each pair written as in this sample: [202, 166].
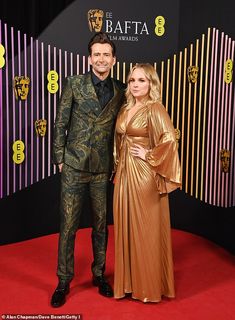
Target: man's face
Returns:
[101, 59]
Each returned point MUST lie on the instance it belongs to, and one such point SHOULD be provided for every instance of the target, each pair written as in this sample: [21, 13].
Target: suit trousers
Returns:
[74, 185]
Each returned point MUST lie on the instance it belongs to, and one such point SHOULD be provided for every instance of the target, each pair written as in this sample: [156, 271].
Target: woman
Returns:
[147, 169]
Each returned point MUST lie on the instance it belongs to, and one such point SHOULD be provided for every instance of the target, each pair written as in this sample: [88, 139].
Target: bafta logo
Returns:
[225, 160]
[95, 19]
[192, 72]
[21, 87]
[41, 127]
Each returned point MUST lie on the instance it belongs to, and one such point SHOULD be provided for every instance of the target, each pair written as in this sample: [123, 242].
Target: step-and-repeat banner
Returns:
[197, 87]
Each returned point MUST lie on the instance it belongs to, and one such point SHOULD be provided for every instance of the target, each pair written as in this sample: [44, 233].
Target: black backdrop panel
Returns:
[130, 24]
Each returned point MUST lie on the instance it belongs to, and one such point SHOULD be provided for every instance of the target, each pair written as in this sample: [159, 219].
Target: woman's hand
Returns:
[138, 151]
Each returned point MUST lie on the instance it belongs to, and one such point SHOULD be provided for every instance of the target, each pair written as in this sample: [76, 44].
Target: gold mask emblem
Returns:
[177, 136]
[225, 160]
[192, 72]
[95, 19]
[21, 87]
[41, 127]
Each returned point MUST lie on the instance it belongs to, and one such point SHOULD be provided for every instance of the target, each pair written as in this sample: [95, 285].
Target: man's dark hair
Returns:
[101, 37]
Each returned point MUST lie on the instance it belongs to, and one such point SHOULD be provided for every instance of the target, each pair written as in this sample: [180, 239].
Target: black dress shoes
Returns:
[58, 297]
[104, 287]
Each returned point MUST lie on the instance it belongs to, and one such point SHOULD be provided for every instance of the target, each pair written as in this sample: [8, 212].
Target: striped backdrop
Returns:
[203, 111]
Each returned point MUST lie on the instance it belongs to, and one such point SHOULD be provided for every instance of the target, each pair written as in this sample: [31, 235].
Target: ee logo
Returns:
[228, 73]
[159, 23]
[2, 59]
[18, 154]
[52, 78]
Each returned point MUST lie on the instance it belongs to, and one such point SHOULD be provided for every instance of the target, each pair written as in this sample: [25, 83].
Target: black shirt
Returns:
[103, 89]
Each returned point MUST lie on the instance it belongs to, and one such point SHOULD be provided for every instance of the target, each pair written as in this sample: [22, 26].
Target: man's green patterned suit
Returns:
[83, 137]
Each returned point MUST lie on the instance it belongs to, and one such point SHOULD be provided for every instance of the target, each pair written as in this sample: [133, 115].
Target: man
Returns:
[82, 149]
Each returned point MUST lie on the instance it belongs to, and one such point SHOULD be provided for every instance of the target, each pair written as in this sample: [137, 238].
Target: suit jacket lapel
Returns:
[89, 100]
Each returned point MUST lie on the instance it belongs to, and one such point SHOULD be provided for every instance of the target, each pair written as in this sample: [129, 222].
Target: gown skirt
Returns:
[143, 250]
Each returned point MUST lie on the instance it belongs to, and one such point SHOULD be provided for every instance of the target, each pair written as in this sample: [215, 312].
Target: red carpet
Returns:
[204, 279]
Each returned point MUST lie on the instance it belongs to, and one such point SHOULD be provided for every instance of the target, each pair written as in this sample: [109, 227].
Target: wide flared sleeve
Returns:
[163, 155]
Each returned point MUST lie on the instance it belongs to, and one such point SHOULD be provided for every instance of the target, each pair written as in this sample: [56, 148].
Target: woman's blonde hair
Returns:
[154, 82]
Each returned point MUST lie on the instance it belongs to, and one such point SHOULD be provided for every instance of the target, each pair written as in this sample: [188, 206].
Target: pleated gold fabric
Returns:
[143, 252]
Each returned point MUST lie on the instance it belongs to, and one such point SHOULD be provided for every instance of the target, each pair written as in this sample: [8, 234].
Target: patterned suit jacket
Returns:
[83, 132]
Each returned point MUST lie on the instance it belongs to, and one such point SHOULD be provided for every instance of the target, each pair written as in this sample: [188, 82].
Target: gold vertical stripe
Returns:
[204, 113]
[178, 97]
[183, 113]
[167, 83]
[199, 115]
[112, 72]
[188, 126]
[124, 72]
[162, 77]
[179, 90]
[173, 90]
[118, 70]
[155, 65]
[193, 126]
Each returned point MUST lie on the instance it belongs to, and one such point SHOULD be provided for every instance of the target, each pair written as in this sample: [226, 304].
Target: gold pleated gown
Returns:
[143, 252]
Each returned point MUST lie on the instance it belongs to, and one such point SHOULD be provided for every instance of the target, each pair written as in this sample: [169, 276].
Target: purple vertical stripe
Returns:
[43, 109]
[83, 64]
[60, 74]
[228, 191]
[232, 164]
[71, 63]
[20, 109]
[55, 101]
[209, 167]
[49, 115]
[224, 189]
[7, 113]
[37, 108]
[213, 79]
[60, 70]
[55, 68]
[20, 74]
[1, 125]
[222, 106]
[217, 123]
[65, 64]
[232, 157]
[13, 104]
[26, 116]
[32, 110]
[231, 123]
[78, 64]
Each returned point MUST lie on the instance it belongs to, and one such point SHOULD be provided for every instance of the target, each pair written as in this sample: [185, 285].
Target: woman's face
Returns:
[139, 85]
